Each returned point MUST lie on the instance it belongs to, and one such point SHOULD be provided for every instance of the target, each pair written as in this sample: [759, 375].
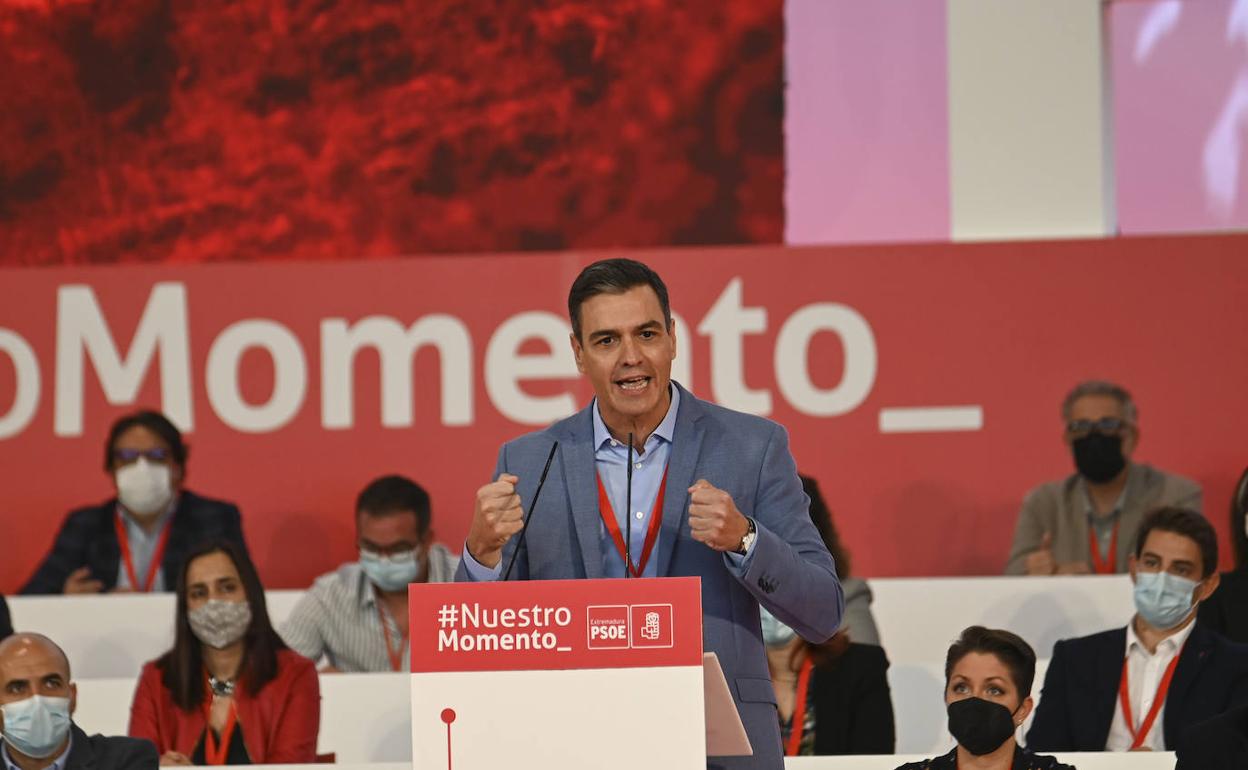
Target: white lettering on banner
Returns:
[82, 331]
[396, 347]
[792, 359]
[26, 395]
[458, 626]
[505, 367]
[81, 328]
[290, 375]
[725, 323]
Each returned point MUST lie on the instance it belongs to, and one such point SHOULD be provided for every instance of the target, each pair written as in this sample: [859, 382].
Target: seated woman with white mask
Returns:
[136, 540]
[229, 692]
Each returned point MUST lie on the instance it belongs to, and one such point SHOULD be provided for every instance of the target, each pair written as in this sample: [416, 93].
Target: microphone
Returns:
[628, 514]
[532, 509]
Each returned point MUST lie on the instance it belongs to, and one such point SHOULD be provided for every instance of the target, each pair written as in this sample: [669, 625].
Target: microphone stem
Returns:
[628, 514]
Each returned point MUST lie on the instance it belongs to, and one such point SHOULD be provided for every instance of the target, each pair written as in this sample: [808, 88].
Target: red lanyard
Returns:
[798, 723]
[124, 540]
[1108, 565]
[1124, 696]
[396, 659]
[652, 532]
[214, 752]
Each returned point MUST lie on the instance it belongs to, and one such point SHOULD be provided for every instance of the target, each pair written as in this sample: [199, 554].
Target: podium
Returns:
[557, 674]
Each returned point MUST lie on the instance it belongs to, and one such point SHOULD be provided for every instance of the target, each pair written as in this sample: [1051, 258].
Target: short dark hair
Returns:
[821, 517]
[614, 276]
[1189, 524]
[155, 422]
[395, 494]
[1239, 513]
[182, 668]
[1009, 648]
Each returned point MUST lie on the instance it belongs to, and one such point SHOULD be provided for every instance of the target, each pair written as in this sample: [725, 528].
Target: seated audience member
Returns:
[833, 698]
[1143, 686]
[37, 702]
[1086, 523]
[6, 623]
[229, 692]
[135, 541]
[988, 678]
[357, 615]
[1227, 611]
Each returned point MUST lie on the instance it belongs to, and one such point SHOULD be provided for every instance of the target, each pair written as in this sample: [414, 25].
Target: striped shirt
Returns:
[339, 617]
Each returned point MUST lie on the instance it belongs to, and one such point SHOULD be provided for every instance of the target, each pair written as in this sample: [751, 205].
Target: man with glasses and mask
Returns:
[1086, 523]
[136, 540]
[37, 701]
[1142, 687]
[356, 616]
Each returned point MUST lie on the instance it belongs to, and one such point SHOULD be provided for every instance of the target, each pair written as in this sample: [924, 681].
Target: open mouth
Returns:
[633, 384]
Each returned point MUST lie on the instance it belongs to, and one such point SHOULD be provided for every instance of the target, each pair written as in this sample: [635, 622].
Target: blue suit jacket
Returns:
[790, 572]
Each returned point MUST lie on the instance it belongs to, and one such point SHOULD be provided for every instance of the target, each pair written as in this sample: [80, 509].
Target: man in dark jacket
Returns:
[135, 541]
[37, 701]
[1144, 686]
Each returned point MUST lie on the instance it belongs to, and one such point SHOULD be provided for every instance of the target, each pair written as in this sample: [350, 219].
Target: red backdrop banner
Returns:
[920, 384]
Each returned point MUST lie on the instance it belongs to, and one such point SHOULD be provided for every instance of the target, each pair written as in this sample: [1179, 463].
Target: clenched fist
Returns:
[714, 518]
[495, 518]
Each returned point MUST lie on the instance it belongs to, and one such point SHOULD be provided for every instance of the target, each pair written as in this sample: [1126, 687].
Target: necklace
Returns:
[221, 688]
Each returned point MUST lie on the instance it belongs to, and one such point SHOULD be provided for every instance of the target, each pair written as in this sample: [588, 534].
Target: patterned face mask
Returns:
[218, 623]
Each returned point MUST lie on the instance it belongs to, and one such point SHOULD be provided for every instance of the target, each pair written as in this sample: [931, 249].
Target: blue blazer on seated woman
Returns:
[137, 540]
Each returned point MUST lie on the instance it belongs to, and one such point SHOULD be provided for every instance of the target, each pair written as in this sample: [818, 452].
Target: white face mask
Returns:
[36, 726]
[143, 487]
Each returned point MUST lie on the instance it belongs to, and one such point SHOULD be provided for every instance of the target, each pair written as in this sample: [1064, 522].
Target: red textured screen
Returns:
[272, 129]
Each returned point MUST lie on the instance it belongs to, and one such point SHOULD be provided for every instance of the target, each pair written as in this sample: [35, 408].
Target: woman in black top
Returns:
[988, 677]
[1227, 610]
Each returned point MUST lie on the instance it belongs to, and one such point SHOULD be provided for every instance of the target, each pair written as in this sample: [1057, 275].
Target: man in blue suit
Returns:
[715, 494]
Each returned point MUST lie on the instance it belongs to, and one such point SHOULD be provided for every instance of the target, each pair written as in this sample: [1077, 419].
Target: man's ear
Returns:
[73, 697]
[1207, 587]
[577, 352]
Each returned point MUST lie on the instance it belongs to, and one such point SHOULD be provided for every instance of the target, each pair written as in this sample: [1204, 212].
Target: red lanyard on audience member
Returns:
[396, 659]
[613, 526]
[1108, 565]
[214, 752]
[1124, 695]
[123, 539]
[798, 723]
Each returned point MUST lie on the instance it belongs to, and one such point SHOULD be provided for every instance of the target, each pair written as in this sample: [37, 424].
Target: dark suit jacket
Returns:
[853, 707]
[6, 623]
[1219, 744]
[98, 752]
[1023, 760]
[88, 537]
[1081, 689]
[1227, 610]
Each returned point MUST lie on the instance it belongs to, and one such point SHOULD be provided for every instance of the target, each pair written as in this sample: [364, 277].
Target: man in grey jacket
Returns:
[1086, 523]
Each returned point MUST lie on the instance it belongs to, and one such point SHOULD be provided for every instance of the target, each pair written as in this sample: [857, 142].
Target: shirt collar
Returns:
[59, 764]
[364, 592]
[1171, 644]
[665, 430]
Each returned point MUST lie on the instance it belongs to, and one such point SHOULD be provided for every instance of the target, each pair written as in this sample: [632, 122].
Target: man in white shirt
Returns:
[356, 616]
[1140, 688]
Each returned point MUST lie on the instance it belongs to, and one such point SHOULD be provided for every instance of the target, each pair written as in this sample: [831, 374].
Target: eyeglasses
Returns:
[127, 456]
[1106, 426]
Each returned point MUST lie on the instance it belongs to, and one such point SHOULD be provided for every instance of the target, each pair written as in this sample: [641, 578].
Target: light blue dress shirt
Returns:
[649, 467]
[143, 548]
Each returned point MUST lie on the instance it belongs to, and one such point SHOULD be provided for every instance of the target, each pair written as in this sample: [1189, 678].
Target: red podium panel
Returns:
[543, 674]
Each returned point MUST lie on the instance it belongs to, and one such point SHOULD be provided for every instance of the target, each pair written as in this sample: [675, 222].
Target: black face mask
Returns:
[980, 726]
[1098, 457]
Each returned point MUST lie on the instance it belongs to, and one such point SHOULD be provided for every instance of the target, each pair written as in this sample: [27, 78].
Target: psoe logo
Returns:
[651, 625]
[607, 626]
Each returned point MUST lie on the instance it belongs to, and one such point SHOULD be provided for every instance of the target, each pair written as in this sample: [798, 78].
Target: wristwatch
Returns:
[747, 541]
